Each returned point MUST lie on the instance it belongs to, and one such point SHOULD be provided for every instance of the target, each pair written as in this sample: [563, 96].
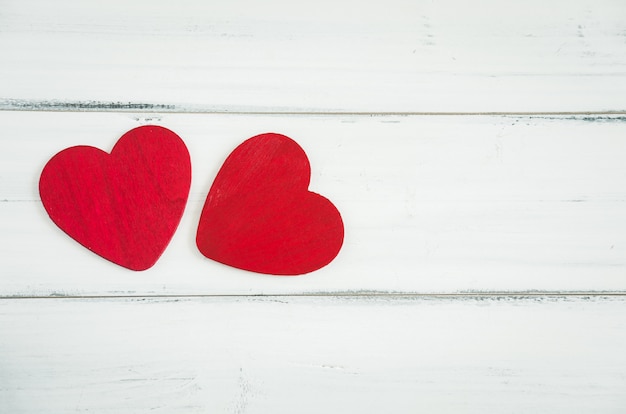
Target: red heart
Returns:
[124, 206]
[260, 216]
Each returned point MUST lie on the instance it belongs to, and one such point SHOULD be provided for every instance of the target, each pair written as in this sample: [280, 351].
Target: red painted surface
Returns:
[260, 216]
[124, 206]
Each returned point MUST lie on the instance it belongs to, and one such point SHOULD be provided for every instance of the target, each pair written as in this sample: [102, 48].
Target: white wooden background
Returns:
[476, 150]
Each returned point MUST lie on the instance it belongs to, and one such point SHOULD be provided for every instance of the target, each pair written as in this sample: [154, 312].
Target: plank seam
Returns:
[338, 113]
[514, 294]
[13, 105]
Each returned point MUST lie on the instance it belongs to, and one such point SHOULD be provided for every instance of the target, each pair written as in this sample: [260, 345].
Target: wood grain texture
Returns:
[124, 205]
[397, 55]
[311, 355]
[436, 207]
[430, 204]
[261, 217]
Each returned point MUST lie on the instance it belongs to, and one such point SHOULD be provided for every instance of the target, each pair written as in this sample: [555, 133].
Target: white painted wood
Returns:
[327, 55]
[430, 204]
[311, 355]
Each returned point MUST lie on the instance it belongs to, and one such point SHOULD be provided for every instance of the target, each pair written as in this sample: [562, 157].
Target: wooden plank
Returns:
[324, 56]
[312, 355]
[430, 204]
[521, 194]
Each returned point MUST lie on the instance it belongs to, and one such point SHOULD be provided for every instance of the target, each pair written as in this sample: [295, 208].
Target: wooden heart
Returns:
[259, 215]
[124, 206]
